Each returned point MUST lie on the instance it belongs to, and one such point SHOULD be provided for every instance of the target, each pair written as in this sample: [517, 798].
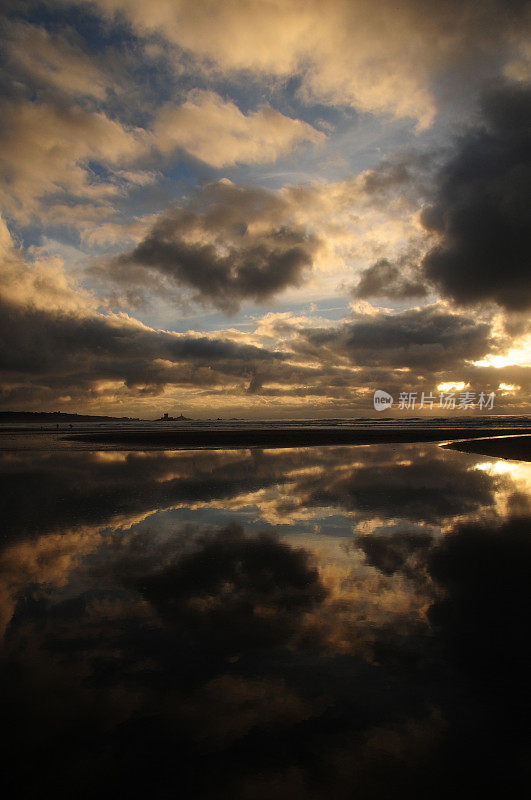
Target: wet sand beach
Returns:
[275, 438]
[512, 447]
[514, 440]
[215, 619]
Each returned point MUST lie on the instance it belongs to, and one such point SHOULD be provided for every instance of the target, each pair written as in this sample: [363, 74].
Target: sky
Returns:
[264, 208]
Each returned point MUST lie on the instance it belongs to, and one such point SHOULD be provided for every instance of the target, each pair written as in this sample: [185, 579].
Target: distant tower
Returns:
[166, 415]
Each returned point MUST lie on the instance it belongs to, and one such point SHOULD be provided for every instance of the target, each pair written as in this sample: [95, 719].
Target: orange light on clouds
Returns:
[451, 386]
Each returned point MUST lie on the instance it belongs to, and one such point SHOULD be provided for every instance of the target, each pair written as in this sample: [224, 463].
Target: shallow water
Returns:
[317, 622]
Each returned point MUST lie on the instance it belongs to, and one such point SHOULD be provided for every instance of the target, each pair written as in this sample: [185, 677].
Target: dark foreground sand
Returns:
[513, 447]
[273, 438]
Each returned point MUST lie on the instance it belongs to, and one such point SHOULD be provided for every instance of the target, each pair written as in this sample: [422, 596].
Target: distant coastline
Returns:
[58, 416]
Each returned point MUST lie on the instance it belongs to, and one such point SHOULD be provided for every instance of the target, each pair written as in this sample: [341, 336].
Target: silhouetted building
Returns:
[167, 418]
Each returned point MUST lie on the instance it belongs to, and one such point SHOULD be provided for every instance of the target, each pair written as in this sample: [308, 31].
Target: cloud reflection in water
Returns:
[325, 622]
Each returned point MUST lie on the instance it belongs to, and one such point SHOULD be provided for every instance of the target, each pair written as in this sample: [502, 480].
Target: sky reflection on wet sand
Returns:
[319, 622]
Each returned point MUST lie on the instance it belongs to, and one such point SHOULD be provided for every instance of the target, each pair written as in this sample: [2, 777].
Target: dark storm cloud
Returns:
[46, 354]
[384, 279]
[481, 211]
[49, 354]
[76, 351]
[228, 245]
[420, 338]
[408, 173]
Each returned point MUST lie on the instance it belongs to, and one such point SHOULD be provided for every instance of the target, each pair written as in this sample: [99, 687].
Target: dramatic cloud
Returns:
[254, 623]
[343, 52]
[67, 127]
[228, 245]
[41, 284]
[481, 212]
[47, 149]
[90, 349]
[165, 163]
[384, 279]
[55, 60]
[216, 131]
[416, 338]
[59, 348]
[56, 343]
